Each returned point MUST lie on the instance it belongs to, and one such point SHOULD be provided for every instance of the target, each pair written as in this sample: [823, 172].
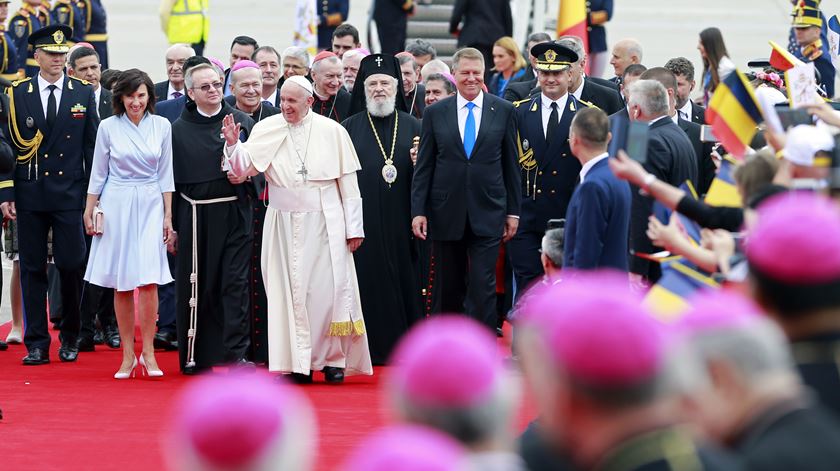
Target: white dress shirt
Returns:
[588, 165]
[97, 94]
[546, 109]
[463, 110]
[577, 93]
[676, 118]
[45, 92]
[172, 90]
[685, 111]
[272, 98]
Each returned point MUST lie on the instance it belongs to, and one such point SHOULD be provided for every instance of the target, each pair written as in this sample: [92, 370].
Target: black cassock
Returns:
[224, 241]
[386, 261]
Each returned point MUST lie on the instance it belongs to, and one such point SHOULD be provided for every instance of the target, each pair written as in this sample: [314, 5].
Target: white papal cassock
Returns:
[314, 313]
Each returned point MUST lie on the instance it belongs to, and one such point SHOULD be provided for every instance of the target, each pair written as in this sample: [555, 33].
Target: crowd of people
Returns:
[677, 309]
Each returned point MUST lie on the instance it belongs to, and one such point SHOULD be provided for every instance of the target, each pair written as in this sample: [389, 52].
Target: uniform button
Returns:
[46, 155]
[554, 172]
[46, 174]
[68, 136]
[60, 172]
[539, 191]
[540, 172]
[61, 155]
[562, 155]
[552, 192]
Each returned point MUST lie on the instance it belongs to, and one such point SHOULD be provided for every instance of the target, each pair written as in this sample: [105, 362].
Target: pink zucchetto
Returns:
[407, 448]
[240, 422]
[796, 239]
[217, 63]
[447, 361]
[323, 55]
[596, 330]
[244, 64]
[717, 309]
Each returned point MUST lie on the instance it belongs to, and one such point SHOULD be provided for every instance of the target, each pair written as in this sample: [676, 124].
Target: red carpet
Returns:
[69, 416]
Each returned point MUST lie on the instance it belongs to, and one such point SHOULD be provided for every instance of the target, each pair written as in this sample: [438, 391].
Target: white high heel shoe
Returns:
[14, 337]
[147, 371]
[127, 374]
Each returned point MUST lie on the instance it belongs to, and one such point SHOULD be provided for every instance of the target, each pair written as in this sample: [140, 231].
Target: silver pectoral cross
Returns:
[303, 172]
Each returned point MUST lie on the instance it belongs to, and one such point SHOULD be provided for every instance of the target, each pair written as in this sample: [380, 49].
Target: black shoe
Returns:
[112, 337]
[166, 341]
[300, 378]
[36, 356]
[68, 353]
[333, 374]
[98, 337]
[3, 346]
[499, 332]
[245, 365]
[86, 344]
[193, 370]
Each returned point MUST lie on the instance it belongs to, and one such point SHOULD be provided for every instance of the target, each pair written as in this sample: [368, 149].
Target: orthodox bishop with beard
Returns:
[313, 225]
[383, 137]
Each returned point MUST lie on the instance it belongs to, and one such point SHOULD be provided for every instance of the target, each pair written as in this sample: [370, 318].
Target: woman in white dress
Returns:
[131, 181]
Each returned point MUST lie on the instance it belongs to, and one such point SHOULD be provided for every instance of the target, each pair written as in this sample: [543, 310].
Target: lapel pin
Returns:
[534, 107]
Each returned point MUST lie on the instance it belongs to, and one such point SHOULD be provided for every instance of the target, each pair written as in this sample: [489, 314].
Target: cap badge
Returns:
[58, 37]
[550, 55]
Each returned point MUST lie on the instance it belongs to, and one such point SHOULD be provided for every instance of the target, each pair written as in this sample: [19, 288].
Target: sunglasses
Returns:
[206, 87]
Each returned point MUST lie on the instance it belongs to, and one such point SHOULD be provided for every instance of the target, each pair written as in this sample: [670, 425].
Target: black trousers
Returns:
[97, 303]
[465, 276]
[166, 300]
[524, 255]
[392, 35]
[69, 255]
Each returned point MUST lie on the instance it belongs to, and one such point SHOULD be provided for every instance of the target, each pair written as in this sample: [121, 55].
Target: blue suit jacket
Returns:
[171, 109]
[598, 222]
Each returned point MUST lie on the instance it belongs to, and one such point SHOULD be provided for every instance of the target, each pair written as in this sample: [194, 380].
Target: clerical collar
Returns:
[218, 110]
[321, 97]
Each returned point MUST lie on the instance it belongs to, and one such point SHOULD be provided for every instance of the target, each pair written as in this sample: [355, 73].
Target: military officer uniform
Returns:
[68, 12]
[96, 28]
[598, 13]
[53, 130]
[331, 13]
[549, 170]
[8, 49]
[806, 15]
[27, 20]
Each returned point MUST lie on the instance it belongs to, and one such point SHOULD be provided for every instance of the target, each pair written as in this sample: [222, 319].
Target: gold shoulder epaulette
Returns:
[588, 104]
[517, 103]
[18, 82]
[84, 82]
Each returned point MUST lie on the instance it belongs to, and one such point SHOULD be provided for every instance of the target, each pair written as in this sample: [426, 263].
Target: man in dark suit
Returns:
[171, 109]
[683, 70]
[269, 61]
[485, 22]
[598, 218]
[173, 87]
[624, 53]
[47, 188]
[391, 18]
[466, 191]
[582, 87]
[548, 170]
[670, 158]
[706, 168]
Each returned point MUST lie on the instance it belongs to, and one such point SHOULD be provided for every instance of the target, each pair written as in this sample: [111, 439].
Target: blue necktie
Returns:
[469, 130]
[267, 103]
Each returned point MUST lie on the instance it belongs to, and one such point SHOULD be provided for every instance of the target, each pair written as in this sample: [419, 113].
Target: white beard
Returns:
[381, 109]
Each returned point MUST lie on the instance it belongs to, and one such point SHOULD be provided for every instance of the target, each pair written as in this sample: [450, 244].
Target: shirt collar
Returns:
[218, 110]
[479, 100]
[588, 165]
[272, 98]
[561, 102]
[676, 117]
[687, 109]
[577, 93]
[43, 84]
[172, 90]
[650, 123]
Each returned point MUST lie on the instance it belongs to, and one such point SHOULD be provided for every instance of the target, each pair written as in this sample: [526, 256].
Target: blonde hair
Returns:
[509, 44]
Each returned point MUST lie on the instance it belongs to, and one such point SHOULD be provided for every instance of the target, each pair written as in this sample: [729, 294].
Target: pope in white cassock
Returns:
[312, 226]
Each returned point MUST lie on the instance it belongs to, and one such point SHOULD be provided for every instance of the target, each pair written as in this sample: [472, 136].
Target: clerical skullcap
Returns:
[448, 361]
[244, 64]
[407, 448]
[796, 239]
[323, 55]
[803, 142]
[237, 421]
[717, 309]
[596, 331]
[300, 81]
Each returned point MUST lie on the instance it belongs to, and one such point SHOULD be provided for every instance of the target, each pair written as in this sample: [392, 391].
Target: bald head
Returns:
[175, 57]
[434, 66]
[624, 53]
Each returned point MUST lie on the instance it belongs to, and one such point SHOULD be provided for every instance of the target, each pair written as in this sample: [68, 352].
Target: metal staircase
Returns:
[431, 22]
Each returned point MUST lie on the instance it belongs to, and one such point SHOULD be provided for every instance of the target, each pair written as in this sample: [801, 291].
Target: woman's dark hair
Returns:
[712, 41]
[127, 83]
[109, 76]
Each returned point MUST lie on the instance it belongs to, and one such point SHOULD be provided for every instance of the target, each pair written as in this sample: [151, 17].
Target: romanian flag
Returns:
[781, 59]
[734, 113]
[571, 20]
[688, 227]
[668, 298]
[723, 192]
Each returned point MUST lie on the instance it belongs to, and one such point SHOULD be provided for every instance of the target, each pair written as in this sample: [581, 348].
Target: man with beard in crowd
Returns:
[383, 136]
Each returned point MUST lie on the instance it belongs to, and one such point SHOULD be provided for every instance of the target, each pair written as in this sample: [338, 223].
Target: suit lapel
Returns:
[34, 106]
[535, 128]
[488, 114]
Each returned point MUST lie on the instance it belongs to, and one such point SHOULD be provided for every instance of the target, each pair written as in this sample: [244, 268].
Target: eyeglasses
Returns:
[206, 87]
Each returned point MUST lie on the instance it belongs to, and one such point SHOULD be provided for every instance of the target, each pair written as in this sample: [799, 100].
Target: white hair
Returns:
[296, 52]
[650, 96]
[188, 77]
[434, 66]
[316, 67]
[385, 108]
[177, 46]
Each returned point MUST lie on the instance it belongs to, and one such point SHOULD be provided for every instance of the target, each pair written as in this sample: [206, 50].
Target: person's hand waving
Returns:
[231, 130]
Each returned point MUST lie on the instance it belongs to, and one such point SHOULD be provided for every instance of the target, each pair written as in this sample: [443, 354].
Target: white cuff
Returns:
[353, 221]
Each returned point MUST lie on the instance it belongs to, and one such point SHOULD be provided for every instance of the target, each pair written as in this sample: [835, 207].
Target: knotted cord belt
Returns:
[194, 273]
